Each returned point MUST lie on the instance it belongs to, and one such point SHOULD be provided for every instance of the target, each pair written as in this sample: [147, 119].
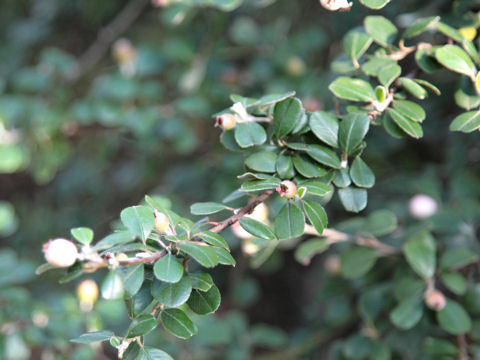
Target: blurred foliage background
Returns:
[83, 136]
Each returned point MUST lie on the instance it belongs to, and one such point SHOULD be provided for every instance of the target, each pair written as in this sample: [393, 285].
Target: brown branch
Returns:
[92, 266]
[106, 36]
[463, 347]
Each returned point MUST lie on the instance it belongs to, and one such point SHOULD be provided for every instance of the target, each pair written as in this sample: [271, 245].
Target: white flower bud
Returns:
[334, 5]
[422, 206]
[60, 252]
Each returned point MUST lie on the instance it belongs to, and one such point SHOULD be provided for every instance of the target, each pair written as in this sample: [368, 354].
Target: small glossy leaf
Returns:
[410, 110]
[205, 302]
[286, 114]
[141, 301]
[352, 89]
[204, 255]
[324, 156]
[380, 223]
[357, 261]
[389, 74]
[224, 257]
[413, 88]
[178, 323]
[375, 4]
[407, 314]
[457, 258]
[352, 130]
[83, 235]
[342, 178]
[263, 161]
[206, 208]
[132, 278]
[310, 248]
[290, 221]
[260, 185]
[361, 174]
[456, 59]
[149, 353]
[411, 127]
[307, 167]
[465, 95]
[466, 122]
[141, 326]
[91, 337]
[139, 220]
[316, 188]
[112, 286]
[213, 239]
[316, 214]
[325, 127]
[454, 319]
[119, 237]
[172, 295]
[356, 42]
[284, 167]
[249, 133]
[439, 347]
[419, 26]
[449, 31]
[381, 30]
[168, 269]
[455, 282]
[256, 228]
[392, 128]
[353, 199]
[201, 281]
[420, 253]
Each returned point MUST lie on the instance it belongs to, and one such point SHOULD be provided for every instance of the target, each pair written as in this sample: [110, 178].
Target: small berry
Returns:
[249, 248]
[122, 257]
[422, 206]
[332, 264]
[60, 252]
[161, 221]
[226, 121]
[334, 5]
[287, 188]
[435, 300]
[87, 291]
[123, 51]
[260, 213]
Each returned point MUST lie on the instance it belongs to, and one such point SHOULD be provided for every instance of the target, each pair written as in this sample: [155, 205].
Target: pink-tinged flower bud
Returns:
[422, 206]
[87, 293]
[60, 252]
[287, 188]
[161, 221]
[226, 121]
[161, 3]
[334, 5]
[435, 300]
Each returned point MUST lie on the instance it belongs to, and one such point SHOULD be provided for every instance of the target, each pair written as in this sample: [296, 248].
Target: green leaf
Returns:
[168, 269]
[263, 161]
[361, 174]
[380, 223]
[201, 281]
[381, 30]
[249, 133]
[411, 127]
[206, 208]
[141, 326]
[353, 199]
[205, 302]
[316, 188]
[139, 220]
[141, 301]
[213, 239]
[432, 88]
[119, 237]
[375, 4]
[310, 248]
[290, 221]
[457, 258]
[149, 353]
[375, 64]
[392, 128]
[256, 228]
[204, 255]
[112, 286]
[389, 74]
[260, 185]
[420, 253]
[455, 282]
[352, 130]
[410, 110]
[407, 314]
[413, 88]
[92, 337]
[224, 257]
[272, 99]
[466, 122]
[172, 295]
[356, 42]
[357, 261]
[453, 57]
[465, 95]
[352, 89]
[342, 178]
[419, 26]
[307, 167]
[324, 156]
[454, 319]
[284, 167]
[132, 278]
[439, 347]
[286, 114]
[316, 214]
[83, 235]
[178, 323]
[325, 127]
[450, 32]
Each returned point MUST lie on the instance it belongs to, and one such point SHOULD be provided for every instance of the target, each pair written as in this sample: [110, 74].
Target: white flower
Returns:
[422, 206]
[334, 5]
[60, 252]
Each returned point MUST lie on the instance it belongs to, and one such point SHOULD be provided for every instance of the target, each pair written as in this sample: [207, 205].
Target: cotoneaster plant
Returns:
[157, 260]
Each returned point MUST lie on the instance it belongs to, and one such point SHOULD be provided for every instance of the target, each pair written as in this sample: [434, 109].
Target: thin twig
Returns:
[463, 347]
[105, 37]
